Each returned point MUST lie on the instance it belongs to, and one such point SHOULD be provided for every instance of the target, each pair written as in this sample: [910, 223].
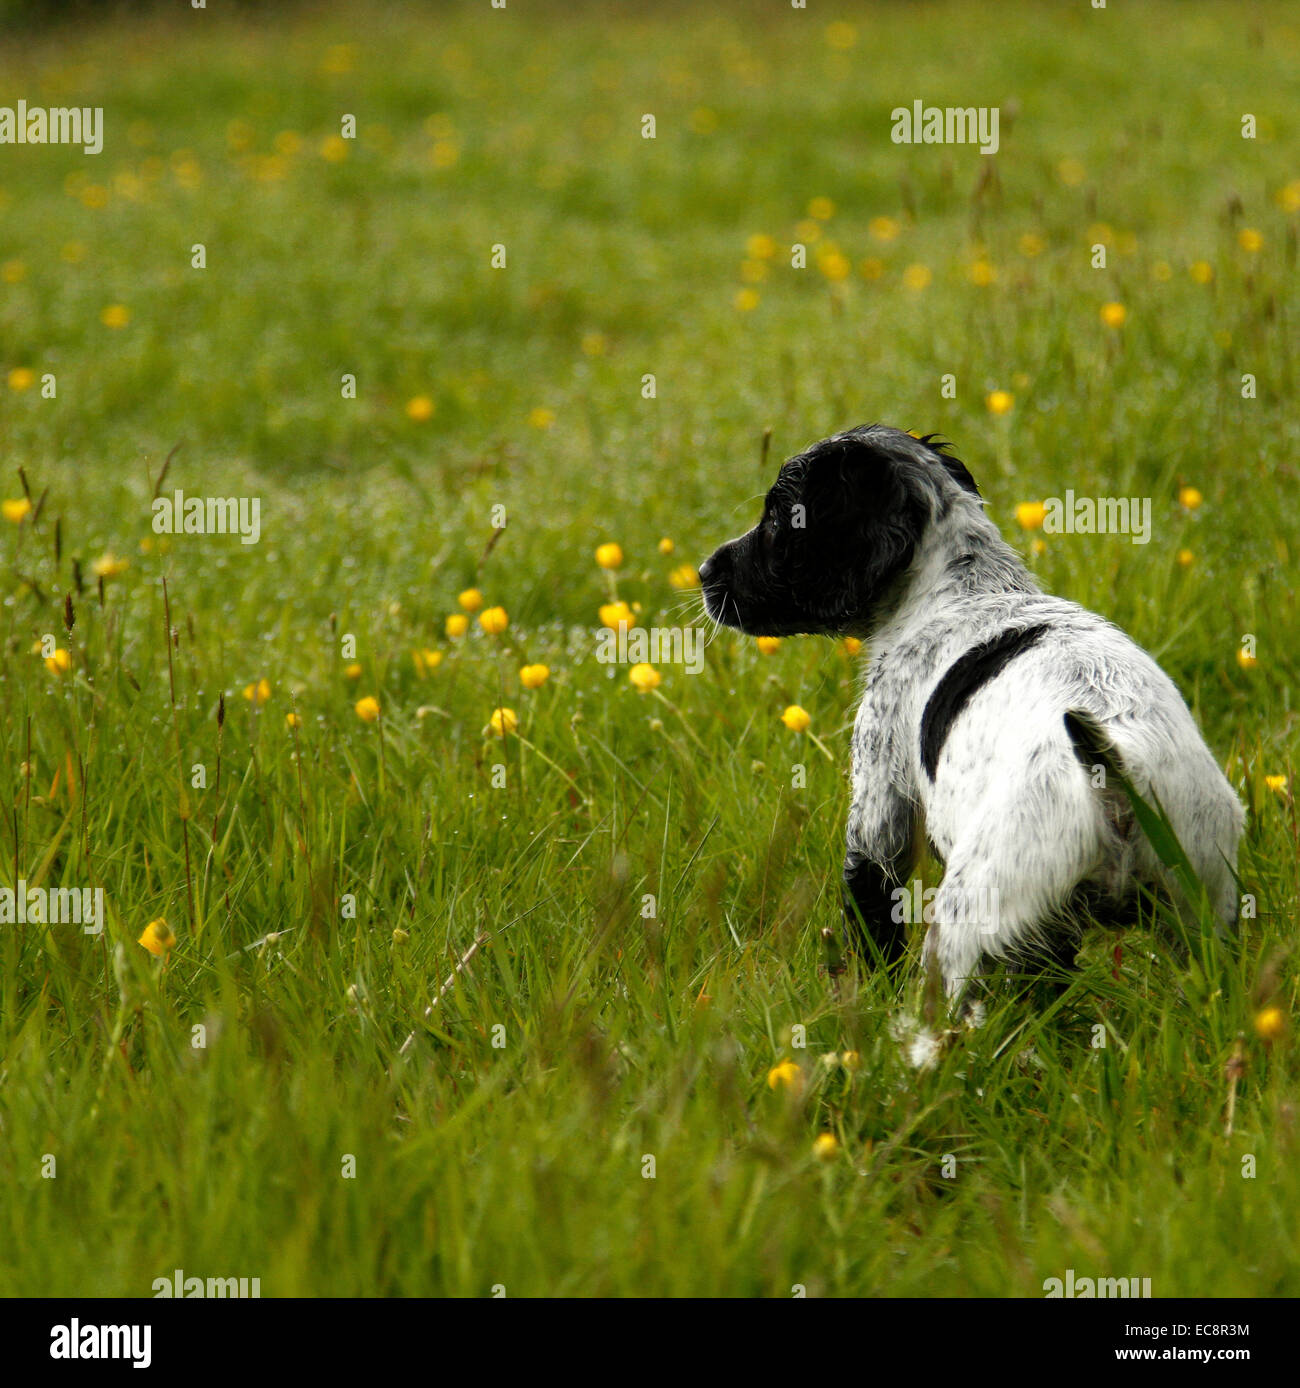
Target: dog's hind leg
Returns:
[1007, 886]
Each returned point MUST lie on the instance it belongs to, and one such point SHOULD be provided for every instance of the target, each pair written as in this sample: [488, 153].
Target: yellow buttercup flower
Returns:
[851, 645]
[16, 510]
[425, 661]
[1113, 315]
[609, 556]
[534, 676]
[822, 209]
[1190, 497]
[115, 316]
[684, 576]
[13, 272]
[456, 625]
[503, 721]
[367, 708]
[841, 34]
[983, 273]
[339, 58]
[786, 1075]
[835, 265]
[22, 378]
[796, 719]
[1250, 240]
[157, 938]
[616, 614]
[334, 148]
[1031, 514]
[1277, 784]
[666, 546]
[1031, 244]
[760, 247]
[1071, 172]
[292, 720]
[1270, 1024]
[1186, 557]
[419, 408]
[825, 1147]
[109, 566]
[541, 418]
[352, 671]
[258, 693]
[471, 599]
[1201, 271]
[768, 645]
[59, 663]
[1245, 659]
[644, 677]
[917, 276]
[883, 228]
[999, 401]
[494, 620]
[594, 344]
[746, 300]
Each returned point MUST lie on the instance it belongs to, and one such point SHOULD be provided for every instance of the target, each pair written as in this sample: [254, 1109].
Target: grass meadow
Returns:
[278, 760]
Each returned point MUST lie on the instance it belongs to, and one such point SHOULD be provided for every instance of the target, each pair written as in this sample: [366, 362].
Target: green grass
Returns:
[521, 1164]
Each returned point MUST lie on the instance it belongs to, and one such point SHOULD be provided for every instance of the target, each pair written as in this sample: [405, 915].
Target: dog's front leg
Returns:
[876, 923]
[881, 854]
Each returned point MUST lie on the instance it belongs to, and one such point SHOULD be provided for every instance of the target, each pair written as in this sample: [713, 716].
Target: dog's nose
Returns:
[713, 567]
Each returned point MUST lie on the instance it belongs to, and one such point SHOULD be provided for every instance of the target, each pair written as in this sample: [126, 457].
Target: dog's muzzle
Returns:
[713, 584]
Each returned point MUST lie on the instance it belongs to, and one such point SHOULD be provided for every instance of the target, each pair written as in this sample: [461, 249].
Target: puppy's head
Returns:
[839, 530]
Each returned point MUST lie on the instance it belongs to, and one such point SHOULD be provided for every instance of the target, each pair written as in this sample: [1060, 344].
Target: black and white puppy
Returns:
[988, 707]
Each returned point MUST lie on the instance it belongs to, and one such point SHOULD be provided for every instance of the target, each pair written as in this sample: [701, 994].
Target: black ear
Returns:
[888, 533]
[875, 515]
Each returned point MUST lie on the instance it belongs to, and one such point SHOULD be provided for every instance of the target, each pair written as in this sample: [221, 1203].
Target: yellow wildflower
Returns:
[494, 620]
[796, 719]
[157, 938]
[644, 677]
[503, 721]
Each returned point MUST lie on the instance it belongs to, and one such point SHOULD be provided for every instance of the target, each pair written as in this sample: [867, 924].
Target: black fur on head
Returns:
[839, 529]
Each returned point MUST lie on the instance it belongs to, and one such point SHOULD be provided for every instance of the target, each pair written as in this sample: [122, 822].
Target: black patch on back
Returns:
[966, 674]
